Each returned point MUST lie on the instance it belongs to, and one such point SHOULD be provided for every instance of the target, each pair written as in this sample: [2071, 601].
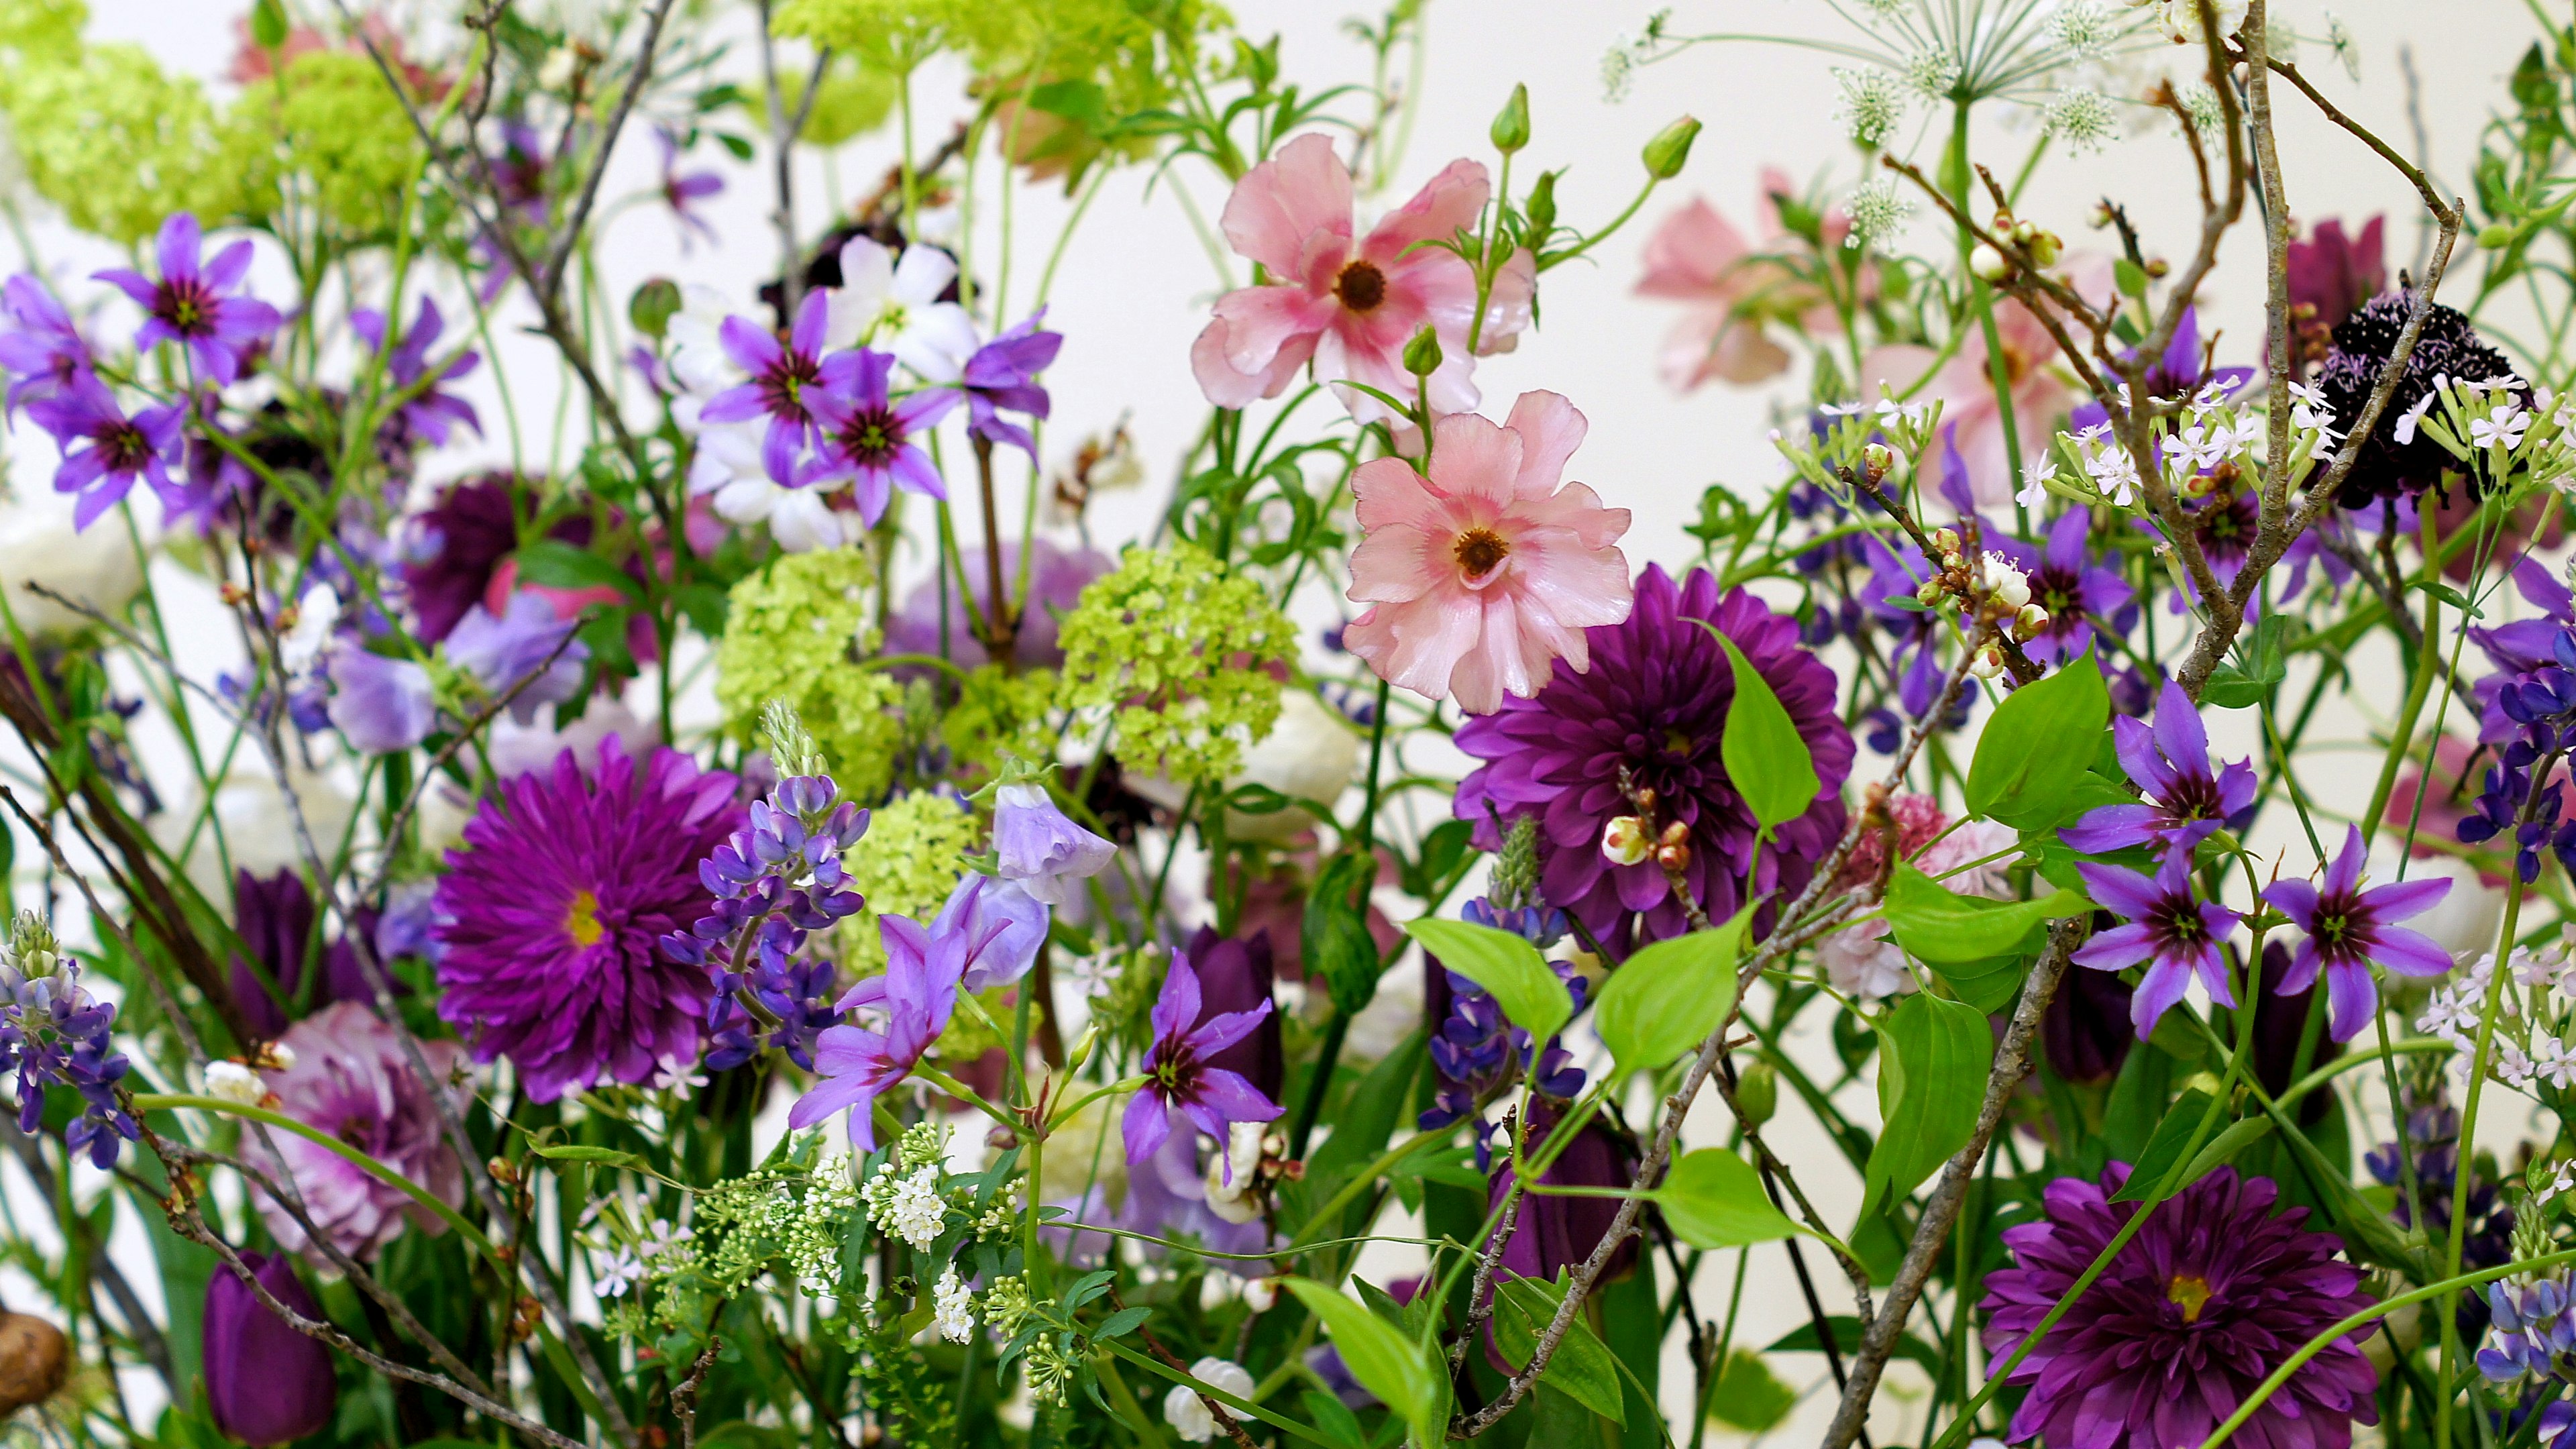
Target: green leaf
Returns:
[2222, 1149]
[1994, 984]
[2027, 760]
[1336, 945]
[1766, 758]
[1750, 1397]
[2258, 664]
[558, 565]
[1405, 1374]
[1714, 1199]
[609, 1155]
[1939, 925]
[1669, 996]
[1932, 1064]
[1334, 1420]
[2164, 1149]
[1121, 1323]
[1522, 983]
[1582, 1368]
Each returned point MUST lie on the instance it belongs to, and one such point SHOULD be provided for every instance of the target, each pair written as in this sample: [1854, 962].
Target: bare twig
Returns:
[553, 274]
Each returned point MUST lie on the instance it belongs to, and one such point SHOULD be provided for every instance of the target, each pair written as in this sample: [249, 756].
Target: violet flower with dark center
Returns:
[2179, 373]
[916, 995]
[872, 438]
[2174, 933]
[787, 381]
[1001, 376]
[104, 451]
[2348, 928]
[191, 304]
[2079, 594]
[427, 412]
[683, 193]
[1180, 1075]
[1236, 976]
[2399, 460]
[2188, 799]
[42, 351]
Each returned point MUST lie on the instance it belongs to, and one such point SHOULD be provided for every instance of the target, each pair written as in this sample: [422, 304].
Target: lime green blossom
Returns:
[1182, 651]
[852, 100]
[1000, 714]
[344, 128]
[41, 32]
[118, 144]
[795, 633]
[907, 863]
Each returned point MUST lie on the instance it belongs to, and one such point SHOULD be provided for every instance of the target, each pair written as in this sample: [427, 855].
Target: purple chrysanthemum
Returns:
[104, 451]
[191, 305]
[553, 914]
[1655, 701]
[42, 351]
[2187, 798]
[873, 438]
[2079, 594]
[2211, 1296]
[2175, 933]
[2348, 928]
[427, 413]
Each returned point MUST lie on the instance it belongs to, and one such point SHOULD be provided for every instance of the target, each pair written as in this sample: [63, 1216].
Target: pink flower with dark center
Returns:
[1346, 302]
[1484, 574]
[353, 1078]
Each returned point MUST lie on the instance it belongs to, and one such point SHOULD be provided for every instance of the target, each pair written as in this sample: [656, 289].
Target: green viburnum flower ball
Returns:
[1183, 652]
[342, 126]
[119, 144]
[42, 32]
[852, 100]
[998, 715]
[911, 858]
[796, 632]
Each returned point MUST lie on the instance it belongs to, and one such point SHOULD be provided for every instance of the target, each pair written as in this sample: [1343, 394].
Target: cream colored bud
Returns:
[1930, 594]
[1624, 841]
[1988, 663]
[1991, 266]
[1946, 540]
[234, 1082]
[2028, 623]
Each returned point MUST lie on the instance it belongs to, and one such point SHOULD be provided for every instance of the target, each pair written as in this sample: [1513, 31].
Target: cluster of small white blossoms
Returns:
[2487, 426]
[2193, 448]
[908, 1196]
[1877, 436]
[620, 1265]
[2531, 1042]
[1050, 1372]
[952, 1307]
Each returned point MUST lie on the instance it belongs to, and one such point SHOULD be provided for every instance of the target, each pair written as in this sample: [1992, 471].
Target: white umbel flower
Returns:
[952, 1307]
[917, 1210]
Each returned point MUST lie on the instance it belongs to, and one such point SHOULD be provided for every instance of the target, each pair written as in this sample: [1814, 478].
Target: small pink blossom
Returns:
[1486, 572]
[1860, 960]
[1350, 306]
[1698, 258]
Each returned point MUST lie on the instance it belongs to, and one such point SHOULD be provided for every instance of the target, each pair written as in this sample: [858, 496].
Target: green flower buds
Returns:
[1670, 150]
[1422, 355]
[1511, 125]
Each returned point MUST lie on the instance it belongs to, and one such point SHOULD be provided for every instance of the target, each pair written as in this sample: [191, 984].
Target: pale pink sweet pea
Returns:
[1349, 303]
[1485, 573]
[1731, 289]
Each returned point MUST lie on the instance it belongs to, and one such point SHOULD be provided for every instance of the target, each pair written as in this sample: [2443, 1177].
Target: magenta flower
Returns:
[191, 304]
[2187, 799]
[43, 352]
[2348, 928]
[1179, 1077]
[2212, 1295]
[683, 193]
[427, 412]
[786, 379]
[857, 1063]
[1001, 377]
[353, 1079]
[2175, 933]
[872, 437]
[104, 451]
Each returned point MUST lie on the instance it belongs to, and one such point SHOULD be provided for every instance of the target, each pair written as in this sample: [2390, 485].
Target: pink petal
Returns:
[1417, 645]
[1447, 202]
[1550, 430]
[1397, 565]
[1690, 253]
[1278, 204]
[1510, 306]
[1227, 387]
[1473, 458]
[1387, 493]
[1577, 510]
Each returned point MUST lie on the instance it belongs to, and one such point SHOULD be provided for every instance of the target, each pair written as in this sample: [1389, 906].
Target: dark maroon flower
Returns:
[265, 1382]
[274, 917]
[455, 547]
[2399, 460]
[2332, 274]
[2086, 1031]
[1235, 975]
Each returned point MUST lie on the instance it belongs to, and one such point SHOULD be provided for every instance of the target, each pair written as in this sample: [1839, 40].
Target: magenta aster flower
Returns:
[2348, 928]
[785, 381]
[2187, 798]
[1656, 701]
[553, 913]
[1180, 1077]
[353, 1079]
[873, 437]
[2211, 1296]
[2174, 932]
[191, 305]
[104, 451]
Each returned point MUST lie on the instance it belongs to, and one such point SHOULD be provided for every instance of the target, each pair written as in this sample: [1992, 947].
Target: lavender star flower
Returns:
[1001, 376]
[868, 435]
[917, 993]
[2187, 800]
[2079, 594]
[787, 380]
[190, 305]
[499, 652]
[1178, 1077]
[2173, 932]
[427, 412]
[2349, 928]
[1038, 847]
[987, 935]
[44, 352]
[682, 193]
[104, 451]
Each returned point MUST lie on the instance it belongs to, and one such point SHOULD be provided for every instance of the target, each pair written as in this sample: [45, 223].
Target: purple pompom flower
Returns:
[1047, 854]
[1001, 377]
[265, 1382]
[553, 911]
[353, 1079]
[428, 412]
[104, 451]
[1179, 1077]
[191, 305]
[2187, 798]
[916, 995]
[42, 352]
[2348, 928]
[872, 438]
[787, 380]
[2210, 1297]
[2174, 932]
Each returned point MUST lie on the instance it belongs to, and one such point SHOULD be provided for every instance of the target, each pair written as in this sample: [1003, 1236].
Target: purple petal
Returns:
[2117, 948]
[1233, 1096]
[177, 248]
[2111, 827]
[1146, 1125]
[2351, 998]
[2295, 899]
[2123, 891]
[227, 269]
[2179, 733]
[1177, 1008]
[2399, 900]
[2157, 994]
[2409, 953]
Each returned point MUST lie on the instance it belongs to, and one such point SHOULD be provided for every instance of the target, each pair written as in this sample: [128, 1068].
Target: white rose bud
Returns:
[1625, 842]
[234, 1082]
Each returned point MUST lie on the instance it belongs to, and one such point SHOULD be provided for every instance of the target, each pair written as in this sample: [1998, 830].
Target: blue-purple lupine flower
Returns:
[1538, 923]
[787, 380]
[1001, 377]
[428, 412]
[41, 351]
[1476, 1049]
[2079, 594]
[2348, 928]
[192, 304]
[2532, 1325]
[1179, 1078]
[2188, 799]
[779, 876]
[2172, 931]
[682, 193]
[2509, 804]
[53, 1033]
[1038, 847]
[526, 638]
[104, 451]
[873, 438]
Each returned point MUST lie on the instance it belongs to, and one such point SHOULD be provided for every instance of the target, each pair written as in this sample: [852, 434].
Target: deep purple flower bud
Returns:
[2086, 1031]
[265, 1382]
[1042, 850]
[1553, 1233]
[1237, 976]
[2280, 1022]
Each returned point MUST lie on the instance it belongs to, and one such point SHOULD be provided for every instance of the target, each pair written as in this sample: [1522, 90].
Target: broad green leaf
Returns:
[1750, 1398]
[1932, 1063]
[2164, 1149]
[1939, 925]
[1521, 981]
[1336, 945]
[2259, 662]
[557, 564]
[1714, 1199]
[1766, 759]
[1582, 1368]
[2222, 1149]
[1994, 984]
[1405, 1375]
[1333, 1419]
[2037, 745]
[1669, 996]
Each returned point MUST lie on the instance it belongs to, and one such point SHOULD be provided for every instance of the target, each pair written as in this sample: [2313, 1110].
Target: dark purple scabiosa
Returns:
[104, 451]
[2399, 460]
[1655, 702]
[2079, 594]
[2210, 1297]
[2348, 928]
[192, 303]
[1001, 376]
[428, 413]
[1180, 1077]
[2188, 798]
[2174, 933]
[454, 547]
[553, 912]
[41, 350]
[1237, 976]
[265, 1382]
[873, 438]
[786, 380]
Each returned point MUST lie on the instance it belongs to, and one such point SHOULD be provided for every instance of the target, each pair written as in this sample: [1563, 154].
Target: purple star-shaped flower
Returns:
[916, 993]
[988, 932]
[682, 193]
[2348, 928]
[788, 381]
[42, 352]
[1001, 377]
[426, 411]
[192, 304]
[868, 433]
[2172, 931]
[2187, 799]
[2078, 593]
[1177, 1074]
[104, 451]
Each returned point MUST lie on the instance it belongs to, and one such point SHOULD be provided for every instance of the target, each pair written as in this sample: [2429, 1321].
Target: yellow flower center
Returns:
[2190, 1293]
[583, 919]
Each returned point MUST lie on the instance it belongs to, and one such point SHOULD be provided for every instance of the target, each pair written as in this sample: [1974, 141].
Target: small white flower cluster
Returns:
[810, 1228]
[911, 1206]
[2532, 1042]
[1629, 51]
[2487, 426]
[1932, 74]
[628, 1264]
[1872, 105]
[1878, 213]
[2080, 119]
[952, 1307]
[2193, 448]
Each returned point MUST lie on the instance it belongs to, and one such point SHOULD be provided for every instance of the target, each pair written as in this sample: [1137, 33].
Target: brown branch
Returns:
[556, 265]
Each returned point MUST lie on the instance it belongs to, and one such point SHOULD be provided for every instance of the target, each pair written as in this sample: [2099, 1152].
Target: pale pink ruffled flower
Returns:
[1860, 960]
[1347, 305]
[1485, 573]
[1731, 289]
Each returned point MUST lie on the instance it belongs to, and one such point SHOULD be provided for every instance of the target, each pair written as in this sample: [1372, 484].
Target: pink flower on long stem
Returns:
[1348, 305]
[1697, 257]
[1486, 572]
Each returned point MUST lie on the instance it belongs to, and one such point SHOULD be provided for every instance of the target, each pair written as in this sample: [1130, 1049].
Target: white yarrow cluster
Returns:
[1872, 105]
[910, 1206]
[2081, 120]
[1878, 212]
[2084, 29]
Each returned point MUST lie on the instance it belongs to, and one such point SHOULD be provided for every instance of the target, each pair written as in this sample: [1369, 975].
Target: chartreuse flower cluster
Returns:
[912, 857]
[794, 634]
[1181, 650]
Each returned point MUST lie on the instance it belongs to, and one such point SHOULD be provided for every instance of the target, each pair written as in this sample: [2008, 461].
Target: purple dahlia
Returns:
[2211, 1296]
[1655, 700]
[553, 914]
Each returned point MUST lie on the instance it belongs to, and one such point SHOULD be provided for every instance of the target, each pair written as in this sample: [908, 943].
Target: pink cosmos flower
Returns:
[1484, 573]
[1347, 305]
[1697, 257]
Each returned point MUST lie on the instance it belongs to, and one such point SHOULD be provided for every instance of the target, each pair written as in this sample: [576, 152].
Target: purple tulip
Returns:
[1553, 1233]
[265, 1382]
[275, 918]
[191, 304]
[2086, 1030]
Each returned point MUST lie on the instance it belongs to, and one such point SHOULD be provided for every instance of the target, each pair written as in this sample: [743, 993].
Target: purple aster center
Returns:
[187, 305]
[2227, 525]
[872, 436]
[2058, 590]
[2193, 796]
[122, 448]
[782, 384]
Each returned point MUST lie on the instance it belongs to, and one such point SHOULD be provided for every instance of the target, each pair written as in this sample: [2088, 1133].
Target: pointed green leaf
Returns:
[2037, 745]
[1405, 1374]
[1522, 982]
[1932, 1064]
[1939, 925]
[1582, 1369]
[1669, 996]
[1766, 758]
[1714, 1199]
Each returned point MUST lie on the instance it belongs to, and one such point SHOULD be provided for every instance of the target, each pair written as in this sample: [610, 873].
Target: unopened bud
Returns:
[1675, 833]
[1541, 207]
[2198, 485]
[2045, 248]
[1673, 859]
[2028, 622]
[1511, 129]
[1946, 540]
[1991, 266]
[1757, 1091]
[2496, 237]
[1988, 663]
[1422, 355]
[653, 306]
[1879, 459]
[1623, 841]
[1670, 150]
[1929, 594]
[1260, 1293]
[234, 1082]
